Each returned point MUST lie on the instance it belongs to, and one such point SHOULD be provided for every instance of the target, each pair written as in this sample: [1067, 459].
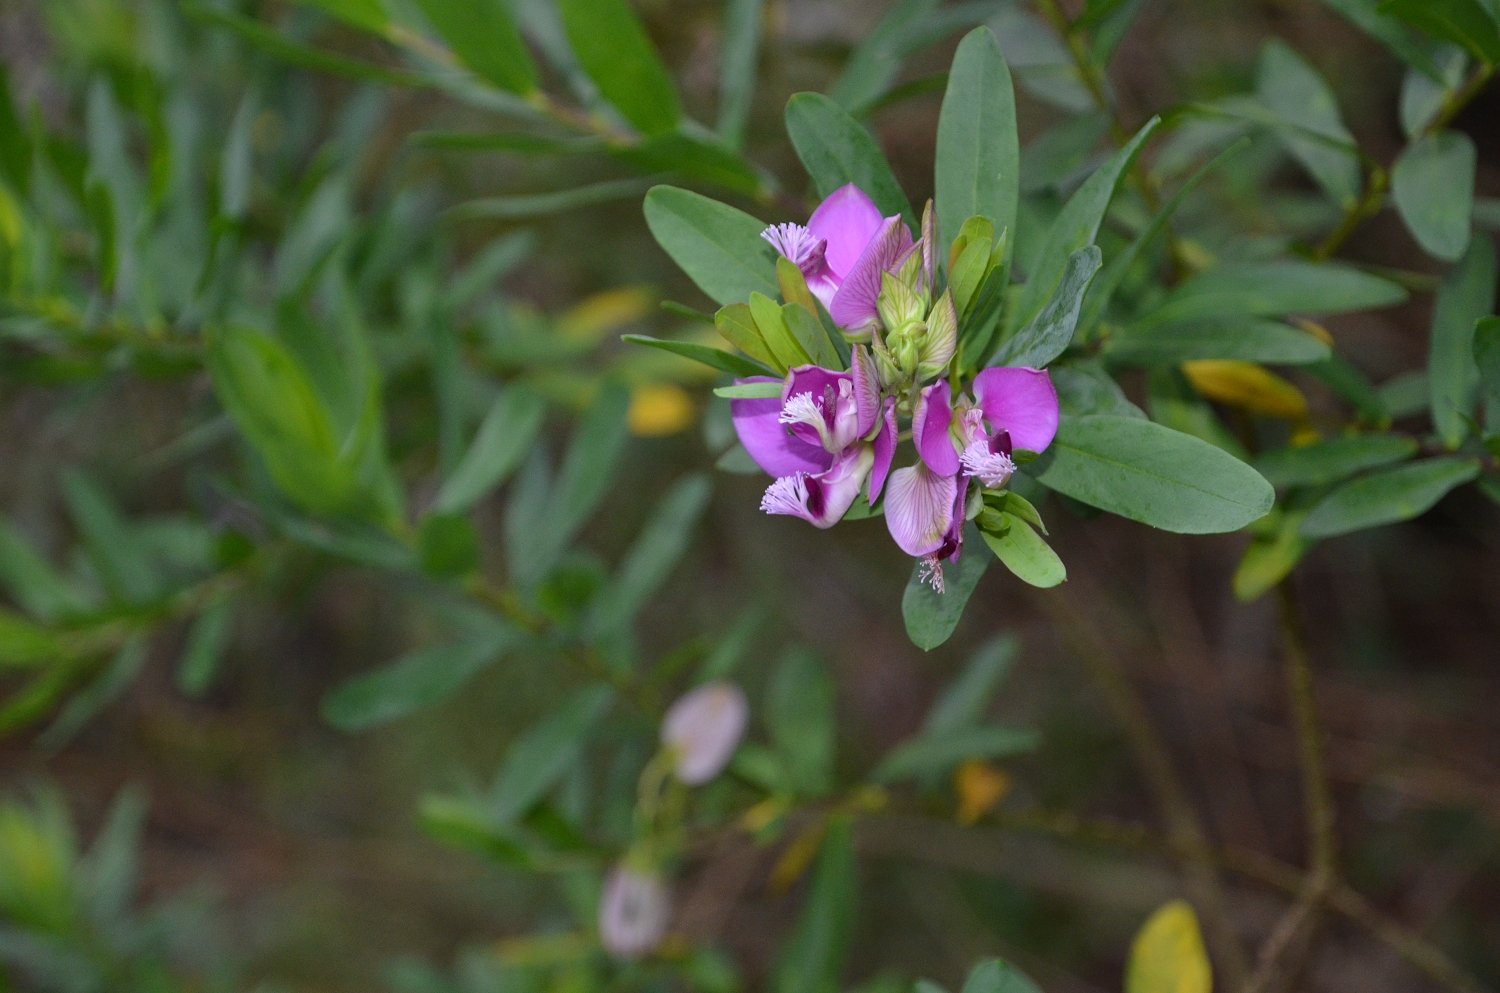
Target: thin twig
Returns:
[1184, 831]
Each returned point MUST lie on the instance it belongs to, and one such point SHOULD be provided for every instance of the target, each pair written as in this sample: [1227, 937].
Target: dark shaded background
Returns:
[309, 835]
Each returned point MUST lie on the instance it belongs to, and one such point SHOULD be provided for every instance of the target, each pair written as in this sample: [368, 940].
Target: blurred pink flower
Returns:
[633, 912]
[703, 728]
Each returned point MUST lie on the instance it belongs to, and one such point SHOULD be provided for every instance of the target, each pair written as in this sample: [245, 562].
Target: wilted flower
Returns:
[633, 912]
[703, 728]
[843, 252]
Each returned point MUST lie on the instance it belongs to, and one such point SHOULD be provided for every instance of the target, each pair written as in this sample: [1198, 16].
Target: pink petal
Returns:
[821, 499]
[767, 440]
[854, 304]
[866, 388]
[885, 450]
[929, 429]
[847, 220]
[919, 509]
[1021, 401]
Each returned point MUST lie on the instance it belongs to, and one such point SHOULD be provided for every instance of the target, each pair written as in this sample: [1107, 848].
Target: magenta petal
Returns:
[1021, 401]
[929, 429]
[866, 388]
[767, 439]
[885, 450]
[854, 304]
[821, 499]
[919, 508]
[847, 220]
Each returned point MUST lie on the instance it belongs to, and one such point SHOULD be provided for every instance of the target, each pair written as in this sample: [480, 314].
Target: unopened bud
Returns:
[633, 912]
[703, 728]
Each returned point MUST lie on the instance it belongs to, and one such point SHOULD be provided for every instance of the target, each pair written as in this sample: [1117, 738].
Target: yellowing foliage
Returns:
[1168, 955]
[1247, 386]
[659, 409]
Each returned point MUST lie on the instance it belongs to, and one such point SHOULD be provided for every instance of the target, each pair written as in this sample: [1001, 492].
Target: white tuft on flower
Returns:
[703, 728]
[787, 495]
[930, 571]
[804, 249]
[994, 469]
[633, 912]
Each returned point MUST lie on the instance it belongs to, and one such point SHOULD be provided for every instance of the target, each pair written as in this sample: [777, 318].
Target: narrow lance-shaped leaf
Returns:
[1026, 554]
[1433, 186]
[939, 752]
[1467, 294]
[737, 60]
[813, 959]
[484, 35]
[931, 616]
[977, 171]
[1487, 358]
[1467, 23]
[1390, 32]
[962, 702]
[498, 447]
[799, 714]
[538, 759]
[837, 150]
[1152, 474]
[614, 50]
[1051, 331]
[1330, 461]
[653, 556]
[1076, 226]
[715, 358]
[1248, 339]
[1389, 496]
[1293, 91]
[719, 247]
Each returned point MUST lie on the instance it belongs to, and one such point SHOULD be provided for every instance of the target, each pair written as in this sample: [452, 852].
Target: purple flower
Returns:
[703, 728]
[633, 912]
[842, 252]
[924, 506]
[822, 498]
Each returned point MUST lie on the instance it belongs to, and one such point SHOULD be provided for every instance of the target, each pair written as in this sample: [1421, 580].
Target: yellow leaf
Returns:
[1168, 954]
[797, 857]
[979, 786]
[604, 312]
[1315, 329]
[659, 409]
[1246, 385]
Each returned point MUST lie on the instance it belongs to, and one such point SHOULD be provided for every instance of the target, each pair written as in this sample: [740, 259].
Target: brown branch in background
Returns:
[1185, 834]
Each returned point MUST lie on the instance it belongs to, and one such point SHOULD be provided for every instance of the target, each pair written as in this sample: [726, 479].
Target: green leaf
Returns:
[1467, 294]
[938, 752]
[719, 247]
[1102, 291]
[1152, 474]
[810, 334]
[750, 391]
[1466, 23]
[15, 145]
[419, 679]
[108, 874]
[297, 54]
[1433, 185]
[995, 976]
[539, 758]
[1275, 289]
[800, 718]
[1344, 378]
[33, 583]
[878, 57]
[1051, 331]
[1330, 461]
[1086, 388]
[812, 960]
[694, 158]
[1076, 226]
[1406, 395]
[367, 14]
[503, 438]
[1168, 956]
[1269, 560]
[977, 170]
[737, 63]
[714, 358]
[116, 553]
[483, 34]
[237, 163]
[1387, 497]
[520, 142]
[206, 641]
[447, 545]
[1249, 339]
[653, 556]
[1390, 32]
[731, 649]
[837, 150]
[931, 616]
[24, 643]
[107, 687]
[1026, 554]
[613, 49]
[1293, 91]
[99, 205]
[962, 703]
[546, 204]
[1487, 358]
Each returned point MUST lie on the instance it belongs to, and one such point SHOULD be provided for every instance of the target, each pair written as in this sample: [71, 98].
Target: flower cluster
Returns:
[830, 436]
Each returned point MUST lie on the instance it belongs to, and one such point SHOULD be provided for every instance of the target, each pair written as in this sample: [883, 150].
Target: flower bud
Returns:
[633, 912]
[703, 728]
[941, 340]
[898, 303]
